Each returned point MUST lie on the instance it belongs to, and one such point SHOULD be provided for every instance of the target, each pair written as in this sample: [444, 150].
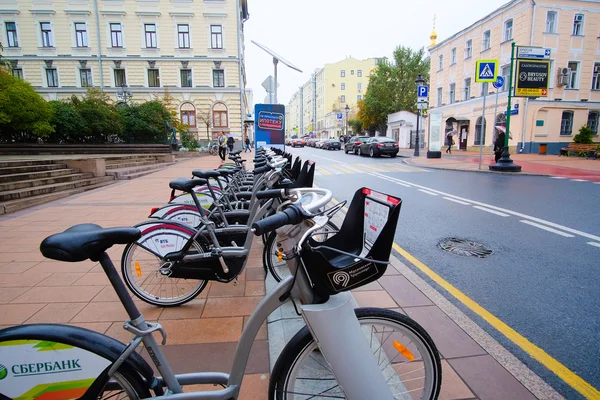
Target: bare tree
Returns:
[205, 117]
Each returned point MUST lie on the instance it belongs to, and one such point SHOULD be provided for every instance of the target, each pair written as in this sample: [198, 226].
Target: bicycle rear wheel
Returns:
[124, 385]
[144, 277]
[404, 351]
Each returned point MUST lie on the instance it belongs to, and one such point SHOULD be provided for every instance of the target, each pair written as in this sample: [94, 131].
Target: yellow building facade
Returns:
[327, 93]
[135, 50]
[569, 28]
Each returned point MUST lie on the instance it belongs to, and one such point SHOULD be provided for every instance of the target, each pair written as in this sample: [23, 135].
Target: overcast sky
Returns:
[310, 33]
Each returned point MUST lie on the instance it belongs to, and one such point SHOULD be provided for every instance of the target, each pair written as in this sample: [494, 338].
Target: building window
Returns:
[46, 34]
[183, 36]
[11, 34]
[351, 72]
[343, 98]
[566, 123]
[572, 84]
[508, 30]
[505, 73]
[452, 93]
[592, 122]
[153, 78]
[343, 73]
[359, 97]
[220, 116]
[216, 37]
[186, 77]
[596, 77]
[116, 35]
[453, 56]
[81, 35]
[469, 49]
[343, 86]
[441, 62]
[551, 22]
[359, 86]
[578, 25]
[188, 118]
[52, 77]
[467, 89]
[480, 132]
[17, 73]
[218, 78]
[439, 97]
[359, 73]
[150, 30]
[120, 77]
[85, 76]
[486, 40]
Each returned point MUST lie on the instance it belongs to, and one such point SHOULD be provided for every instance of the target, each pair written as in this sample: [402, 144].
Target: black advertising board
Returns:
[532, 78]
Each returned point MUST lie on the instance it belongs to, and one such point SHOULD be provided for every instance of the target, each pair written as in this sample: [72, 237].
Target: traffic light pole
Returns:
[505, 164]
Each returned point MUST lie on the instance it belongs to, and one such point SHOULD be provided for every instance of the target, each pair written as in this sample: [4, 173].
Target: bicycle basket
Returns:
[359, 253]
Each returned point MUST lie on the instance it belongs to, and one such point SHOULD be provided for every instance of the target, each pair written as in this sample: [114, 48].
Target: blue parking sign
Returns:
[422, 91]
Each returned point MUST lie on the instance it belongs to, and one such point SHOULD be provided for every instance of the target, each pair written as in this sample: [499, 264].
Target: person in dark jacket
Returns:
[230, 142]
[499, 146]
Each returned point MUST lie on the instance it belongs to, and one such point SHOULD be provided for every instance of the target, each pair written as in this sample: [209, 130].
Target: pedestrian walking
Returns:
[222, 146]
[247, 143]
[499, 146]
[449, 142]
[230, 142]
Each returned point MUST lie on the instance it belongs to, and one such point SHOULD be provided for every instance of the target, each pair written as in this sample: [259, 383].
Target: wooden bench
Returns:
[591, 150]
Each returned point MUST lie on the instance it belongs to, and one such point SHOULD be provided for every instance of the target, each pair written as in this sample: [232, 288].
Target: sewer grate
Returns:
[464, 247]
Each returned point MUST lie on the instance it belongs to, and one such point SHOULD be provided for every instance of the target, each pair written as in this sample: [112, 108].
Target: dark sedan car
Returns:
[378, 146]
[354, 143]
[331, 144]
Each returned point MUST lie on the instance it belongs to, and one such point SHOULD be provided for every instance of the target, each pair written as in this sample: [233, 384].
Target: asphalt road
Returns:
[541, 280]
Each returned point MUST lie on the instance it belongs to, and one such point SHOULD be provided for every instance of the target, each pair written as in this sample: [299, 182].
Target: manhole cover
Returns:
[464, 247]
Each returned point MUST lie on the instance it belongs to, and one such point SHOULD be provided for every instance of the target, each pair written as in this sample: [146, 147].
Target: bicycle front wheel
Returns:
[404, 351]
[124, 385]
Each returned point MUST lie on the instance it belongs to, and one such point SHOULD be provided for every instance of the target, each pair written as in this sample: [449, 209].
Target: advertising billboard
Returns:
[269, 125]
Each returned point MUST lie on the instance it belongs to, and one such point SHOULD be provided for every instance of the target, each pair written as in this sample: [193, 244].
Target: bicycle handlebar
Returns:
[291, 215]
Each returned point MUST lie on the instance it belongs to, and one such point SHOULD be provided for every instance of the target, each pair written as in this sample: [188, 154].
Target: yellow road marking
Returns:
[564, 373]
[324, 171]
[346, 170]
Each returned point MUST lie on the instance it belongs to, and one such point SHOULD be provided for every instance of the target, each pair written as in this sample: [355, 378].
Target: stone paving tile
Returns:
[56, 313]
[8, 294]
[58, 294]
[374, 298]
[453, 387]
[230, 306]
[255, 288]
[204, 330]
[193, 309]
[13, 314]
[403, 292]
[61, 279]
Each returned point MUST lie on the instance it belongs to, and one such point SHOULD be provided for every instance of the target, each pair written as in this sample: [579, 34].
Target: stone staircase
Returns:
[26, 183]
[131, 167]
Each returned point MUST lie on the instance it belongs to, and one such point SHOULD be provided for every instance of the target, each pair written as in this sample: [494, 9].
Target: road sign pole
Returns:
[483, 124]
[494, 120]
[505, 163]
[275, 61]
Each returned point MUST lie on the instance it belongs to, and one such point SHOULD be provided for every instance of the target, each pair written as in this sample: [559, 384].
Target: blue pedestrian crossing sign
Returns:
[486, 71]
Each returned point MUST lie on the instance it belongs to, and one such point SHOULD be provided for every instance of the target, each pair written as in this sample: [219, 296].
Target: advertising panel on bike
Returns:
[269, 125]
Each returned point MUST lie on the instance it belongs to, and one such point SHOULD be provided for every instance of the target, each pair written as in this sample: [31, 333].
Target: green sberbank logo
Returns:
[3, 372]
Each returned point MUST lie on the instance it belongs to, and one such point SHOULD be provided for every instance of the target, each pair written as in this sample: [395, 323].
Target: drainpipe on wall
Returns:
[525, 114]
[99, 45]
[241, 70]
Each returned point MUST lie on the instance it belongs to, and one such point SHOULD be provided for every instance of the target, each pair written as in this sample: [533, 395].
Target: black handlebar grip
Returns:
[291, 215]
[260, 170]
[270, 194]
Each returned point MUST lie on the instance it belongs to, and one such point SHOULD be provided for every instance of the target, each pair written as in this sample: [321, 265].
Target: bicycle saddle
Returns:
[225, 172]
[83, 241]
[186, 185]
[199, 173]
[235, 153]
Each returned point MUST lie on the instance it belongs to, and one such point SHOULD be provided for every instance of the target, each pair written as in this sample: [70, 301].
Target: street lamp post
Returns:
[124, 93]
[419, 82]
[347, 109]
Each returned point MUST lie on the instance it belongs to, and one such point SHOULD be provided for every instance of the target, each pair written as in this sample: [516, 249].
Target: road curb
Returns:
[409, 162]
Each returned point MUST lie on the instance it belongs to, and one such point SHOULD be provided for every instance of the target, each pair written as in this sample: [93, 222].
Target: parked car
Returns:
[378, 146]
[319, 143]
[331, 144]
[297, 143]
[354, 143]
[310, 142]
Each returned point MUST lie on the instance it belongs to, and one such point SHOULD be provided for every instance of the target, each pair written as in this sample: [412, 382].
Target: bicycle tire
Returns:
[270, 260]
[299, 348]
[144, 295]
[132, 385]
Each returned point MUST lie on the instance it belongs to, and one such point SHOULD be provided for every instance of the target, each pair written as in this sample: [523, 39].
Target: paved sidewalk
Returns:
[202, 335]
[532, 164]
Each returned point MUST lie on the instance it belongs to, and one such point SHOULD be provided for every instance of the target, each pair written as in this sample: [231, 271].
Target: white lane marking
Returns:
[385, 178]
[327, 158]
[428, 192]
[457, 201]
[558, 177]
[491, 211]
[517, 214]
[579, 180]
[594, 244]
[546, 228]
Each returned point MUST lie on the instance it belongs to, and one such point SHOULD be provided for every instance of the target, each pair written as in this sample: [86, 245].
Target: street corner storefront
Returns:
[459, 127]
[553, 125]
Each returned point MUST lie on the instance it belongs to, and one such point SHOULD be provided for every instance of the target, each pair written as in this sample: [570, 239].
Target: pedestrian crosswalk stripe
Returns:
[364, 169]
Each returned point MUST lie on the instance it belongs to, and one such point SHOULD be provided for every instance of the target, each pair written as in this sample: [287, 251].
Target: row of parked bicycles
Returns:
[204, 233]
